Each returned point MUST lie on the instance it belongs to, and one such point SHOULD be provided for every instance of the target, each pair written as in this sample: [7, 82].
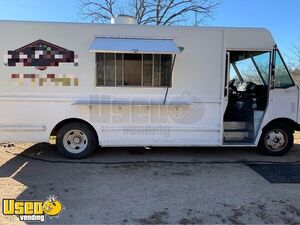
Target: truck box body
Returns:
[35, 98]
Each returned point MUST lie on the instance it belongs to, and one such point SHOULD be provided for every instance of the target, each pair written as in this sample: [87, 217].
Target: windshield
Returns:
[250, 67]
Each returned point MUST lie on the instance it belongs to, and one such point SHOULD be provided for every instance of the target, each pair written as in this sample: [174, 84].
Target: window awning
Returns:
[134, 45]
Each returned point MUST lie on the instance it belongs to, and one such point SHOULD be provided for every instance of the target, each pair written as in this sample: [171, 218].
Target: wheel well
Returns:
[71, 120]
[290, 123]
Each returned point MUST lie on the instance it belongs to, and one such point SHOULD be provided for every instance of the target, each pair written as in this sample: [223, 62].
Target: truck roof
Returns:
[138, 25]
[231, 37]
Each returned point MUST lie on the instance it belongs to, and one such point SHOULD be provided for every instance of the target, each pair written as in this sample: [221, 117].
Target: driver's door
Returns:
[283, 100]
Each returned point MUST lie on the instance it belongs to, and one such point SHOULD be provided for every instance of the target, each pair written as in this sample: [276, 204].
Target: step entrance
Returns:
[238, 132]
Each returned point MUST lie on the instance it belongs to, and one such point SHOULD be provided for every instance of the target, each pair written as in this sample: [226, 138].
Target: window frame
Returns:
[173, 58]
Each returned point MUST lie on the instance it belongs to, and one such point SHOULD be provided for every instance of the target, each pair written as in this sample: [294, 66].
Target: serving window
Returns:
[126, 69]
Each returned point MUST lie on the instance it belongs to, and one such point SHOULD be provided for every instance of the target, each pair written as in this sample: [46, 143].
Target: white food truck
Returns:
[119, 84]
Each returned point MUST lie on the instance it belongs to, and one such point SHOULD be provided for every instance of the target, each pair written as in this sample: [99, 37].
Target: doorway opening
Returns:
[246, 92]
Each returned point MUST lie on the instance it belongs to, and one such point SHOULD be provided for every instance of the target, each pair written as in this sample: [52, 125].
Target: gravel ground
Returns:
[223, 190]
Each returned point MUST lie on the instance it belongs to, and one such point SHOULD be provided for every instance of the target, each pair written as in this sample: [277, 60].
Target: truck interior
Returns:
[247, 85]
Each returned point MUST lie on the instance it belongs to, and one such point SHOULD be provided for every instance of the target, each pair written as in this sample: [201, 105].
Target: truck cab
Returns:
[259, 88]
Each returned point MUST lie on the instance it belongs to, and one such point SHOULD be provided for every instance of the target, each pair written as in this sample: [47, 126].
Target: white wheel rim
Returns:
[276, 140]
[75, 141]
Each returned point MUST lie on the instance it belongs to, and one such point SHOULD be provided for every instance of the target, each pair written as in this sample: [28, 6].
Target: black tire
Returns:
[87, 140]
[276, 133]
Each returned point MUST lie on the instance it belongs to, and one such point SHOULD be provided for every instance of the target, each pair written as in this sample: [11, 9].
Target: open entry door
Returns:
[246, 92]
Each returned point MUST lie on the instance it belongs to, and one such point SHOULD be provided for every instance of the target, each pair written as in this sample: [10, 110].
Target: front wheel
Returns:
[276, 140]
[76, 140]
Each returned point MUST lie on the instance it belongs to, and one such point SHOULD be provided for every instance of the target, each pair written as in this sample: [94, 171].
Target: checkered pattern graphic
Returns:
[45, 80]
[40, 54]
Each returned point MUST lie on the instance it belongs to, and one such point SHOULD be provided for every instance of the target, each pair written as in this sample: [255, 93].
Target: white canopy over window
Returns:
[134, 45]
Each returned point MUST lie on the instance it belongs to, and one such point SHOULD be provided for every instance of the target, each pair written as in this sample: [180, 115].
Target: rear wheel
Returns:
[276, 140]
[76, 140]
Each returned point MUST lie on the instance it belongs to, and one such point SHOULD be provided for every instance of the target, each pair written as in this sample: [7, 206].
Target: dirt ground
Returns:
[157, 186]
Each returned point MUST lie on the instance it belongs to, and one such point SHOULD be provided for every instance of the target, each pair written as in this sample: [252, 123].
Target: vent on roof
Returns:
[123, 19]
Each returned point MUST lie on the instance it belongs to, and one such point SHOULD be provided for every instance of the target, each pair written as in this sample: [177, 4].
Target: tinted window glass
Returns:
[100, 69]
[157, 70]
[110, 69]
[263, 65]
[149, 70]
[282, 76]
[166, 66]
[132, 69]
[249, 72]
[119, 69]
[250, 66]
